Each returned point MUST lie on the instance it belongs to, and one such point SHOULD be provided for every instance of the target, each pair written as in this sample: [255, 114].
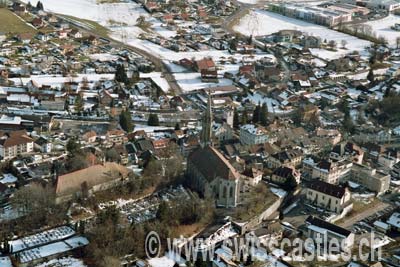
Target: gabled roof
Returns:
[327, 188]
[311, 220]
[14, 138]
[94, 175]
[212, 164]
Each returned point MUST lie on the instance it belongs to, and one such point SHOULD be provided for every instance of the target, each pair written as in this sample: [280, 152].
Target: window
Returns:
[231, 192]
[224, 192]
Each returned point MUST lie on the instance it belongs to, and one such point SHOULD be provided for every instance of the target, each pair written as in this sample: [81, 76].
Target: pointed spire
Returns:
[205, 138]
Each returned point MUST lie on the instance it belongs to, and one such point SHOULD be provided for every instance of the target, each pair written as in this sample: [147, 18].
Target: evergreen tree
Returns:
[256, 114]
[371, 76]
[78, 104]
[125, 120]
[236, 122]
[39, 5]
[177, 126]
[244, 117]
[264, 114]
[73, 146]
[153, 120]
[120, 74]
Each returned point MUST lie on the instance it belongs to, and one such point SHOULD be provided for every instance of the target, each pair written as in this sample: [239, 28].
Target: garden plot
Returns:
[260, 22]
[144, 209]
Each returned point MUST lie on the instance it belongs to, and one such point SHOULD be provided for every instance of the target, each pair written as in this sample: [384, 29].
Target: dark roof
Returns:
[326, 225]
[211, 164]
[327, 188]
[284, 172]
[287, 155]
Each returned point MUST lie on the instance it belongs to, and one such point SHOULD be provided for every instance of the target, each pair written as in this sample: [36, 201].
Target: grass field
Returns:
[10, 23]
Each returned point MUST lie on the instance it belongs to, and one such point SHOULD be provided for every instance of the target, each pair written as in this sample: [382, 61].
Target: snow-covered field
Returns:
[260, 22]
[383, 26]
[113, 15]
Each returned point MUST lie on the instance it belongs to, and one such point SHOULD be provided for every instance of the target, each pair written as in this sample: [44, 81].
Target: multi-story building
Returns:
[288, 158]
[15, 143]
[328, 196]
[116, 137]
[253, 135]
[370, 178]
[347, 151]
[326, 170]
[314, 14]
[283, 174]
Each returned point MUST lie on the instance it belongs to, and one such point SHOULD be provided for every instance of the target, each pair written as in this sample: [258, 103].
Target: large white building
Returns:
[370, 178]
[328, 196]
[388, 5]
[253, 135]
[327, 170]
[15, 143]
[314, 14]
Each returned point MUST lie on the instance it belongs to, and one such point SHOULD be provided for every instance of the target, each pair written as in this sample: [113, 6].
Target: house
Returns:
[347, 151]
[289, 158]
[37, 22]
[43, 145]
[210, 174]
[116, 137]
[253, 175]
[284, 175]
[89, 180]
[75, 34]
[209, 76]
[320, 230]
[327, 170]
[19, 9]
[251, 135]
[370, 178]
[331, 197]
[394, 221]
[89, 137]
[15, 143]
[25, 38]
[205, 64]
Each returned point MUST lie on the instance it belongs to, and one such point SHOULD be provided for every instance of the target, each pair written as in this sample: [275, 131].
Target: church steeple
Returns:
[205, 137]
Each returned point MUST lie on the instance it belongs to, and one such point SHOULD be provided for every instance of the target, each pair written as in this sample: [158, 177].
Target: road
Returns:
[348, 223]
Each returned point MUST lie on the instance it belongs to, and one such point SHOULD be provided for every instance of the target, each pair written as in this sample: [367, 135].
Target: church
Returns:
[209, 172]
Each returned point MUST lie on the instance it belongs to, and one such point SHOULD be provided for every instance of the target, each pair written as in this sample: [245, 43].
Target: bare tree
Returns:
[344, 43]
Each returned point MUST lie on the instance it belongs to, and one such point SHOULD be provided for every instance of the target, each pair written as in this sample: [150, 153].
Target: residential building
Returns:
[331, 197]
[326, 170]
[370, 178]
[283, 174]
[15, 143]
[251, 134]
[347, 151]
[116, 137]
[394, 221]
[289, 158]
